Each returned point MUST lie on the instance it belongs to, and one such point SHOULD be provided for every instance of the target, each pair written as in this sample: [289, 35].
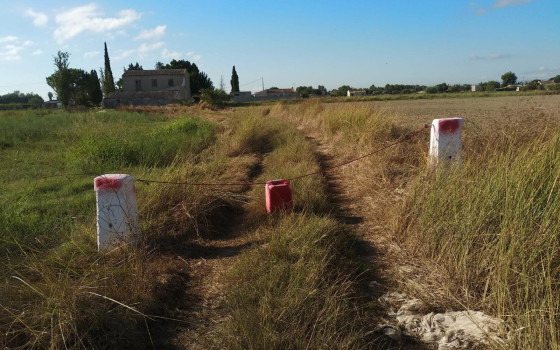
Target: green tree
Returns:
[136, 66]
[374, 90]
[455, 88]
[439, 88]
[50, 95]
[74, 86]
[304, 91]
[342, 90]
[197, 78]
[491, 85]
[534, 85]
[107, 81]
[59, 81]
[556, 79]
[94, 88]
[509, 78]
[21, 98]
[234, 81]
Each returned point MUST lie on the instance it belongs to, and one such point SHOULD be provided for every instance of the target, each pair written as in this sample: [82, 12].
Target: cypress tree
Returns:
[234, 81]
[94, 89]
[108, 81]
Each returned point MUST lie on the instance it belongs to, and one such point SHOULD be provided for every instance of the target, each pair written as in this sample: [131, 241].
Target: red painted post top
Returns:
[110, 181]
[449, 125]
[278, 196]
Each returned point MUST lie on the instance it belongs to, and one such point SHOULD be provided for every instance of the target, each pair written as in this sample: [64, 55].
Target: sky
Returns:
[286, 43]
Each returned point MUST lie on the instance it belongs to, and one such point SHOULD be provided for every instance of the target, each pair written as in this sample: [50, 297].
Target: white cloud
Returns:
[37, 52]
[495, 56]
[140, 52]
[12, 47]
[11, 52]
[169, 55]
[145, 48]
[480, 11]
[193, 56]
[8, 39]
[39, 19]
[88, 18]
[124, 54]
[503, 3]
[91, 54]
[157, 32]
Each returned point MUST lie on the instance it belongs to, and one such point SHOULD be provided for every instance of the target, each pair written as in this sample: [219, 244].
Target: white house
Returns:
[350, 93]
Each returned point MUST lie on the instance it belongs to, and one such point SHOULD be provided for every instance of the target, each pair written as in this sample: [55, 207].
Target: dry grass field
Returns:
[476, 109]
[215, 271]
[483, 237]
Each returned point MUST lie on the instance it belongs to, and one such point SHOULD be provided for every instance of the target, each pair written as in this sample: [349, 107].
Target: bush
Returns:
[216, 98]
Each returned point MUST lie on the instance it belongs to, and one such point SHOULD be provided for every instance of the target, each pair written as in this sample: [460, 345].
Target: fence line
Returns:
[321, 171]
[214, 184]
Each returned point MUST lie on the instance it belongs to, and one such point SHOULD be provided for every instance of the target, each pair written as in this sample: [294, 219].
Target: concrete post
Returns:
[117, 211]
[445, 141]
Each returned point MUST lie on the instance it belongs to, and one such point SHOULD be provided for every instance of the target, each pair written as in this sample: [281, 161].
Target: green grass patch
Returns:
[41, 211]
[180, 138]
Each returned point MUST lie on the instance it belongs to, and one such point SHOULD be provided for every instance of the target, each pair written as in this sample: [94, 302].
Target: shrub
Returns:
[216, 98]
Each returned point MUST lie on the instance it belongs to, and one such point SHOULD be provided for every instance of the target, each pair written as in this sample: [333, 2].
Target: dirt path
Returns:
[387, 263]
[192, 287]
[200, 292]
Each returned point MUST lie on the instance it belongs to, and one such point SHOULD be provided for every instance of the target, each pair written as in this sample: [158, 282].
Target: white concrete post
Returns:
[117, 211]
[445, 141]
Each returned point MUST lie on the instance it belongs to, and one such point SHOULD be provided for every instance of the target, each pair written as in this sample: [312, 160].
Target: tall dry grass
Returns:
[493, 224]
[298, 289]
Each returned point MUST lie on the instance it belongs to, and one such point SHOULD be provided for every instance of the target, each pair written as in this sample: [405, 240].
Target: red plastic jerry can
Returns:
[278, 196]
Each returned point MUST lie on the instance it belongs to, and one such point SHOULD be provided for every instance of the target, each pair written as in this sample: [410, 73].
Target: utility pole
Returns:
[262, 80]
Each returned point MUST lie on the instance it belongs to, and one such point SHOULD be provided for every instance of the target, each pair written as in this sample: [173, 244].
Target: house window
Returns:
[170, 82]
[154, 82]
[138, 84]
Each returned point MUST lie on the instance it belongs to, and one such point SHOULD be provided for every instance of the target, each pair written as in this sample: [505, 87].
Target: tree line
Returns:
[508, 79]
[20, 98]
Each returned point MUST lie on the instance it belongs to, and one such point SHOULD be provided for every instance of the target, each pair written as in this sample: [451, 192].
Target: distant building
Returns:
[275, 94]
[151, 87]
[241, 96]
[475, 88]
[351, 93]
[52, 104]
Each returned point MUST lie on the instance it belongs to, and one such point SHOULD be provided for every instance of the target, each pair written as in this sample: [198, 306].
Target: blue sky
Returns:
[287, 43]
